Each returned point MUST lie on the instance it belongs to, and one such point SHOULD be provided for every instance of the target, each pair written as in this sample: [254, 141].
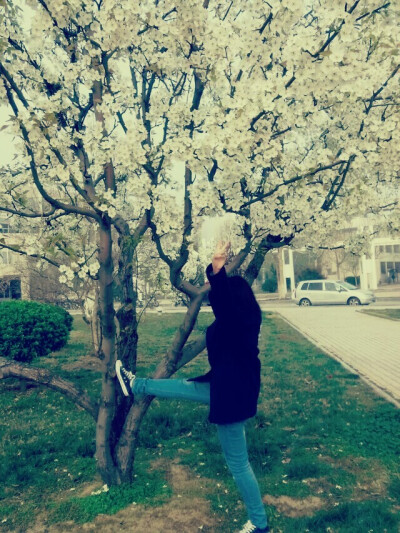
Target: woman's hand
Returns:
[220, 256]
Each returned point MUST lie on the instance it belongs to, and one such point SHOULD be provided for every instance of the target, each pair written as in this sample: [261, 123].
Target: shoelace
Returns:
[130, 375]
[248, 527]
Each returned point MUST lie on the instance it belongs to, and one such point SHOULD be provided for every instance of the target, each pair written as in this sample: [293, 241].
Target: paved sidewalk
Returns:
[366, 345]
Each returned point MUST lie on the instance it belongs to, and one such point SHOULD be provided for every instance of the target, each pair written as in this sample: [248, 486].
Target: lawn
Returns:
[324, 448]
[391, 314]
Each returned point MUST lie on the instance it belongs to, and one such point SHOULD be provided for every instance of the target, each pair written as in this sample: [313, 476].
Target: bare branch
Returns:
[44, 377]
[28, 215]
[337, 185]
[272, 191]
[270, 242]
[377, 92]
[370, 13]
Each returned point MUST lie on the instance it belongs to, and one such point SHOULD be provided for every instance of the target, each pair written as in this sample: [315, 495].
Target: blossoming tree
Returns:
[145, 117]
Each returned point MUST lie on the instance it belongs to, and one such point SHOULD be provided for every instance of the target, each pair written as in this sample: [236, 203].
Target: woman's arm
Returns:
[220, 256]
[222, 300]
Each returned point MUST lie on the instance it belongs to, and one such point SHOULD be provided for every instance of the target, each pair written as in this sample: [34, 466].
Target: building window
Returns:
[4, 227]
[396, 248]
[388, 248]
[10, 288]
[383, 268]
[5, 257]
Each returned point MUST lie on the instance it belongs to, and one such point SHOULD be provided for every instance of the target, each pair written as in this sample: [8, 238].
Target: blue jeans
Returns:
[232, 438]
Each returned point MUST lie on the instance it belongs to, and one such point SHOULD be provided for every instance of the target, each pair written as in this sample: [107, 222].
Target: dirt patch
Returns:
[295, 507]
[372, 477]
[184, 513]
[89, 488]
[180, 477]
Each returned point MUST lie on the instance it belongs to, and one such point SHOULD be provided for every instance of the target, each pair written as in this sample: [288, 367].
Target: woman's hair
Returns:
[245, 299]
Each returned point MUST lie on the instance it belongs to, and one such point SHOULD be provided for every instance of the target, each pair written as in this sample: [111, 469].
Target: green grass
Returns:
[320, 432]
[391, 314]
[80, 510]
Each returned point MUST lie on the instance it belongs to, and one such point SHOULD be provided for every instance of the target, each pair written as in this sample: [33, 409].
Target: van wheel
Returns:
[353, 301]
[304, 302]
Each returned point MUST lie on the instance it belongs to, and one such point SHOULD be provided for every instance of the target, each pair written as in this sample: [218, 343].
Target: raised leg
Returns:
[172, 388]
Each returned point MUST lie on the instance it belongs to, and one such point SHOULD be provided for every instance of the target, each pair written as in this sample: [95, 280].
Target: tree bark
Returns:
[104, 456]
[44, 377]
[126, 314]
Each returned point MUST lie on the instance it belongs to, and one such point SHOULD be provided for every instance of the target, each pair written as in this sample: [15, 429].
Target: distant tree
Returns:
[270, 283]
[309, 273]
[305, 263]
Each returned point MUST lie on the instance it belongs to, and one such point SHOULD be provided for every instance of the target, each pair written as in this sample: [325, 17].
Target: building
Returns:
[14, 284]
[377, 267]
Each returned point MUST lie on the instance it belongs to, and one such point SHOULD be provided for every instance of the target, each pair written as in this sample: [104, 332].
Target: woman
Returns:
[231, 387]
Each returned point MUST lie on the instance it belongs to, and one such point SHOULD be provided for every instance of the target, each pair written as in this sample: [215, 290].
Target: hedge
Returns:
[32, 329]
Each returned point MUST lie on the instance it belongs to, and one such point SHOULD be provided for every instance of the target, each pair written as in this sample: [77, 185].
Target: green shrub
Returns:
[309, 273]
[32, 329]
[270, 283]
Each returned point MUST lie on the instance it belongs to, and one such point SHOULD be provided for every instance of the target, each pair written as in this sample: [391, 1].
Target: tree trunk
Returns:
[104, 456]
[126, 314]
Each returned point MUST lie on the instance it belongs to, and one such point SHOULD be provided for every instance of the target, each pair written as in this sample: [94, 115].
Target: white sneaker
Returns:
[249, 527]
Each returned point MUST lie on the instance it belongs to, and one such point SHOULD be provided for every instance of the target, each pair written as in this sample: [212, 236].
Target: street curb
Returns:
[362, 311]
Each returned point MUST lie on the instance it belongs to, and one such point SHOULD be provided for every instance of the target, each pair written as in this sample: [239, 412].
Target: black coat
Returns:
[232, 345]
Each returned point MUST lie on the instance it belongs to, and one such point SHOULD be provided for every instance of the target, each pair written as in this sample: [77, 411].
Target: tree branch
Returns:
[260, 197]
[11, 369]
[87, 197]
[376, 93]
[337, 185]
[52, 201]
[21, 252]
[270, 242]
[28, 215]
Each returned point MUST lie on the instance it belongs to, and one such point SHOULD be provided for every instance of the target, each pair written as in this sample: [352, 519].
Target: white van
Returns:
[320, 291]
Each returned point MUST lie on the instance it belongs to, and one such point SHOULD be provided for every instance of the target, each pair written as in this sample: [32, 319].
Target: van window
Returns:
[315, 286]
[330, 287]
[304, 287]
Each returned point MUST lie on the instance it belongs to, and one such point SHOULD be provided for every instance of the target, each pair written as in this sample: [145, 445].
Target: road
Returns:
[381, 302]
